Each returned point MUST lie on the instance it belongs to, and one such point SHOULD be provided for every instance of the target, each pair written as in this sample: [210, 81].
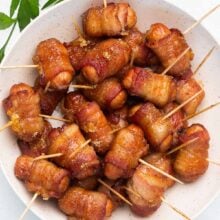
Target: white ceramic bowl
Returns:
[58, 22]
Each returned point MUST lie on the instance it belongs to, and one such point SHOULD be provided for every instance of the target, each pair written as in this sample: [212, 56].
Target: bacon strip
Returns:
[105, 60]
[82, 162]
[84, 204]
[42, 177]
[168, 44]
[53, 64]
[110, 21]
[155, 88]
[191, 161]
[23, 108]
[127, 148]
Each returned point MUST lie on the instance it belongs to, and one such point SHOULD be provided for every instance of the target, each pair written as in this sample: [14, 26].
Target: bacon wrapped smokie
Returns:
[146, 184]
[168, 44]
[105, 60]
[53, 64]
[37, 147]
[109, 94]
[141, 54]
[48, 99]
[158, 132]
[80, 160]
[90, 119]
[23, 108]
[83, 204]
[185, 90]
[156, 88]
[126, 149]
[42, 177]
[111, 21]
[191, 161]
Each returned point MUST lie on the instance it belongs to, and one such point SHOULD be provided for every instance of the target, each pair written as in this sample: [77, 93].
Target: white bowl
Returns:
[58, 22]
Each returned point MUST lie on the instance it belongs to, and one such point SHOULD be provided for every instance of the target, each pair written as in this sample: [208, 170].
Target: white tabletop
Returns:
[10, 205]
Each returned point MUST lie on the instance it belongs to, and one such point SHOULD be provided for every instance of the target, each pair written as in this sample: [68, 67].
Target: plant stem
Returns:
[10, 35]
[7, 41]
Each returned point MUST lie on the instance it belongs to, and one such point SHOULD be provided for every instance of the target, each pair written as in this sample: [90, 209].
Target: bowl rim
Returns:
[44, 13]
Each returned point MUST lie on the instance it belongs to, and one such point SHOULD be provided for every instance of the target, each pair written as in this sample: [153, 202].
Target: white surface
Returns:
[10, 205]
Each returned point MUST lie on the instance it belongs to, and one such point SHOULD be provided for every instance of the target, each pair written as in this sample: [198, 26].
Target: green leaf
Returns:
[2, 53]
[14, 6]
[24, 16]
[34, 8]
[49, 3]
[5, 21]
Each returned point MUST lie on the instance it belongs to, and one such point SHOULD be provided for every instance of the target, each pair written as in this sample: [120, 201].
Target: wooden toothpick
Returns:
[79, 148]
[182, 105]
[201, 111]
[78, 29]
[43, 157]
[115, 192]
[82, 86]
[132, 191]
[182, 146]
[47, 87]
[213, 161]
[201, 19]
[203, 61]
[105, 3]
[160, 171]
[163, 200]
[18, 66]
[7, 125]
[175, 209]
[55, 118]
[177, 59]
[115, 130]
[28, 206]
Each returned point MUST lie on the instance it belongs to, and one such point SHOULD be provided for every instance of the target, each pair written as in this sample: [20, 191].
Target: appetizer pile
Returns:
[121, 114]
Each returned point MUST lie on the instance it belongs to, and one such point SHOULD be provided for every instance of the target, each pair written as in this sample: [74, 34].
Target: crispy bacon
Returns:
[105, 60]
[110, 21]
[53, 64]
[185, 90]
[148, 191]
[109, 94]
[191, 161]
[90, 119]
[156, 88]
[127, 148]
[84, 204]
[82, 162]
[157, 132]
[23, 108]
[42, 177]
[168, 44]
